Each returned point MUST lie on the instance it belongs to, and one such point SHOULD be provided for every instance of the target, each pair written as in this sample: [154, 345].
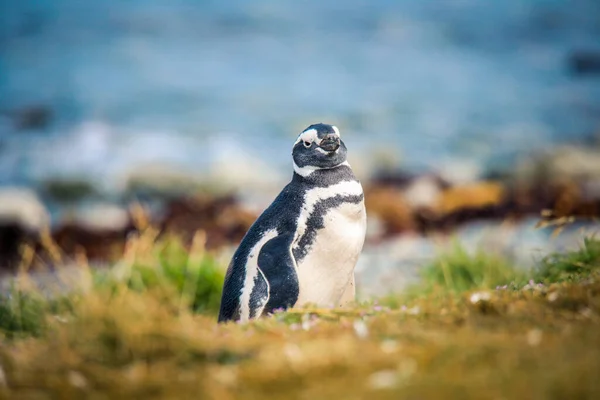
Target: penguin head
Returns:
[318, 147]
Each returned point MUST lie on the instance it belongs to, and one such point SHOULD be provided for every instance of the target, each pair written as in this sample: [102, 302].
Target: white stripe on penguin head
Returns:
[309, 135]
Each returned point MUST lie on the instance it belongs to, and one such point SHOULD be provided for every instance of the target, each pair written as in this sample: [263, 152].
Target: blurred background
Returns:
[463, 119]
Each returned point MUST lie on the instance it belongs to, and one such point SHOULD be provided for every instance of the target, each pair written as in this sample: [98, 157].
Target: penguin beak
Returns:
[330, 143]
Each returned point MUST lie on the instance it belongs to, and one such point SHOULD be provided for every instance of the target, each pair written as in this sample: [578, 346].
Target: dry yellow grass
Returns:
[535, 343]
[137, 336]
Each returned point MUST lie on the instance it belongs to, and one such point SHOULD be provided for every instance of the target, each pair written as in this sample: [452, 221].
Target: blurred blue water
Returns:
[136, 81]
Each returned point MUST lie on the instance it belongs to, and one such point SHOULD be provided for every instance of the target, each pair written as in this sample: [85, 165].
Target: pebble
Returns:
[385, 379]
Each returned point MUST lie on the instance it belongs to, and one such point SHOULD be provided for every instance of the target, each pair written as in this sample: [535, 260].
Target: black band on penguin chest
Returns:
[316, 221]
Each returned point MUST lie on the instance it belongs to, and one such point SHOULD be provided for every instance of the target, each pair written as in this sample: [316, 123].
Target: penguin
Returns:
[304, 247]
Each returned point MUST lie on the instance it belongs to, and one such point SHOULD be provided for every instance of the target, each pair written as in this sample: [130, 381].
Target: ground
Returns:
[536, 337]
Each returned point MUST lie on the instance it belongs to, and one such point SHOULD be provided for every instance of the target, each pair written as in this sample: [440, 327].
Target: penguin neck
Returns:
[326, 176]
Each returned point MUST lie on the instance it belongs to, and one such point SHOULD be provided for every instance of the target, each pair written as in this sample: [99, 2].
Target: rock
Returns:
[459, 172]
[22, 206]
[569, 199]
[22, 217]
[427, 204]
[585, 62]
[160, 180]
[423, 192]
[573, 163]
[565, 179]
[100, 230]
[398, 179]
[392, 209]
[446, 223]
[404, 180]
[591, 189]
[221, 218]
[476, 195]
[105, 245]
[102, 217]
[234, 169]
[12, 237]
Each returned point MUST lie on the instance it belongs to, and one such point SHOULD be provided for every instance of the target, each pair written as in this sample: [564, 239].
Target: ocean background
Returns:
[202, 87]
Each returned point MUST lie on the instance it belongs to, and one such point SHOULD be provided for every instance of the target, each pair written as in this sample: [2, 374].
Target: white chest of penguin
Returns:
[327, 270]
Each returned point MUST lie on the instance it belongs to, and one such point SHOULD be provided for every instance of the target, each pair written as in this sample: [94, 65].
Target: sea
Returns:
[203, 85]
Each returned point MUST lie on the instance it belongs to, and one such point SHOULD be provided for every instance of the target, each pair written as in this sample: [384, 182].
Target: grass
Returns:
[22, 313]
[195, 277]
[146, 328]
[161, 268]
[571, 266]
[458, 271]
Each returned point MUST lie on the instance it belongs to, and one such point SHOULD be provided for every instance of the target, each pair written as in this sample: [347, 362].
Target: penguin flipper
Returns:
[278, 266]
[275, 285]
[259, 297]
[230, 304]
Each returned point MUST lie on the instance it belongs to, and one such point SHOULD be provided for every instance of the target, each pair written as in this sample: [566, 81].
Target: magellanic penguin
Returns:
[305, 245]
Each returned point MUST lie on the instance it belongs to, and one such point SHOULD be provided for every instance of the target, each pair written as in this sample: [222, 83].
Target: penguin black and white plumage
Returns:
[305, 245]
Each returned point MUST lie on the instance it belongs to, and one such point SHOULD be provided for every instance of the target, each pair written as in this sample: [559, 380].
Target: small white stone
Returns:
[306, 323]
[384, 379]
[293, 353]
[361, 329]
[480, 296]
[389, 346]
[586, 312]
[534, 337]
[77, 379]
[413, 310]
[552, 297]
[226, 375]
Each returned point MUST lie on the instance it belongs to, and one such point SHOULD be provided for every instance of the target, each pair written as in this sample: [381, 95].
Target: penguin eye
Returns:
[307, 144]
